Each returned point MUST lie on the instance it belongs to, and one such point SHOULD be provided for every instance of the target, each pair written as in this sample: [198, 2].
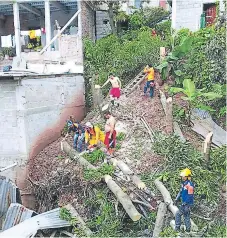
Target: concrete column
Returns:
[47, 23]
[80, 44]
[16, 14]
[79, 19]
[174, 13]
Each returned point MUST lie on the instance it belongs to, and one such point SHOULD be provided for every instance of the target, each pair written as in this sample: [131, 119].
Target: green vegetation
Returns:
[208, 181]
[195, 97]
[95, 157]
[66, 215]
[121, 136]
[147, 17]
[97, 174]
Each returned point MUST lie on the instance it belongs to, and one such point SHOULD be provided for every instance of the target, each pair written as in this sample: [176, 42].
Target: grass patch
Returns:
[95, 157]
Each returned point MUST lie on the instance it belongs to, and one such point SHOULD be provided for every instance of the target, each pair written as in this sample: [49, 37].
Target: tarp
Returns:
[203, 124]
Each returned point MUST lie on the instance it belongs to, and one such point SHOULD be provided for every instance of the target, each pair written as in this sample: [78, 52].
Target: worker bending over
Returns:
[150, 84]
[78, 139]
[93, 135]
[115, 91]
[110, 133]
[187, 196]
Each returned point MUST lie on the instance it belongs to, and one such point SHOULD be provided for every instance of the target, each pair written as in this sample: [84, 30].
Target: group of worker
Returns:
[90, 137]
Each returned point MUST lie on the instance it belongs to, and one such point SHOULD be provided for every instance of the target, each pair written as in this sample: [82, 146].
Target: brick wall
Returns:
[88, 21]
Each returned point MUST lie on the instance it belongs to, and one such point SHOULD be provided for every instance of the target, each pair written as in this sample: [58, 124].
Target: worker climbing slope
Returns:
[186, 194]
[150, 84]
[115, 91]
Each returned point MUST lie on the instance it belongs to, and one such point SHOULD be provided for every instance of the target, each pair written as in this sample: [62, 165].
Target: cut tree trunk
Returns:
[169, 115]
[169, 202]
[81, 224]
[122, 166]
[207, 147]
[123, 198]
[162, 209]
[75, 156]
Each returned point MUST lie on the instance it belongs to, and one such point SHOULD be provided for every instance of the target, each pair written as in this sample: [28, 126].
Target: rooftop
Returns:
[37, 7]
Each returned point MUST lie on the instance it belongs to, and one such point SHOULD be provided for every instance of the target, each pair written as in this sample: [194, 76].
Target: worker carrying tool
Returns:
[78, 129]
[150, 84]
[115, 91]
[187, 196]
[110, 133]
[93, 136]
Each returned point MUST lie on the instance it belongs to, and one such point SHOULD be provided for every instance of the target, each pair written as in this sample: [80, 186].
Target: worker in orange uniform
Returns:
[150, 84]
[186, 194]
[93, 135]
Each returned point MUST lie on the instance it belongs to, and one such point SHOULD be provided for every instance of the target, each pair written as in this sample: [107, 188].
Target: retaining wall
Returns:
[33, 111]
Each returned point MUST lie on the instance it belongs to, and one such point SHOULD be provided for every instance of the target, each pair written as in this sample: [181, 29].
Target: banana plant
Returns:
[167, 66]
[194, 96]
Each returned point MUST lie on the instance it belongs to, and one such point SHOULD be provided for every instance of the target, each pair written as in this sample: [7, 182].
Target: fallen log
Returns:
[169, 114]
[81, 223]
[137, 181]
[148, 128]
[162, 209]
[169, 202]
[207, 148]
[123, 198]
[122, 166]
[75, 156]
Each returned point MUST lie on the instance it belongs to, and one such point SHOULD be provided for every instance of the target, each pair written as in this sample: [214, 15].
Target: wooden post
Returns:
[162, 53]
[169, 115]
[162, 209]
[207, 147]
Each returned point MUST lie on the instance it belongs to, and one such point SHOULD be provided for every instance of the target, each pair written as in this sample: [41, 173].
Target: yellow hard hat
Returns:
[186, 172]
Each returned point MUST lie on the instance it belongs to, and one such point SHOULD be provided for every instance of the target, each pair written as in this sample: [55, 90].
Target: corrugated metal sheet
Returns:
[9, 193]
[29, 227]
[16, 214]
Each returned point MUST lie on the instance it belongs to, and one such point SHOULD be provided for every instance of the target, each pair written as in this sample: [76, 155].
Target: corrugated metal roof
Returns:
[16, 214]
[29, 227]
[9, 193]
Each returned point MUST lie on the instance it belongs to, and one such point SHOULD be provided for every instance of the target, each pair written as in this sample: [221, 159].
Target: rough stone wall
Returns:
[33, 111]
[88, 21]
[102, 29]
[188, 13]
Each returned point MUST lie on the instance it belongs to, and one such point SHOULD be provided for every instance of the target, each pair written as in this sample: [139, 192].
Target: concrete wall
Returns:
[186, 14]
[33, 112]
[102, 29]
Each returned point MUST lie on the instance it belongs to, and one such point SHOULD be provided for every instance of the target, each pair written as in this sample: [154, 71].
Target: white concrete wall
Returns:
[33, 112]
[12, 137]
[186, 14]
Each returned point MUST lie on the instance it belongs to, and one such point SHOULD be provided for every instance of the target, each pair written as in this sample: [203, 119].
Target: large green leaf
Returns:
[183, 48]
[178, 72]
[189, 87]
[176, 90]
[211, 95]
[164, 64]
[205, 107]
